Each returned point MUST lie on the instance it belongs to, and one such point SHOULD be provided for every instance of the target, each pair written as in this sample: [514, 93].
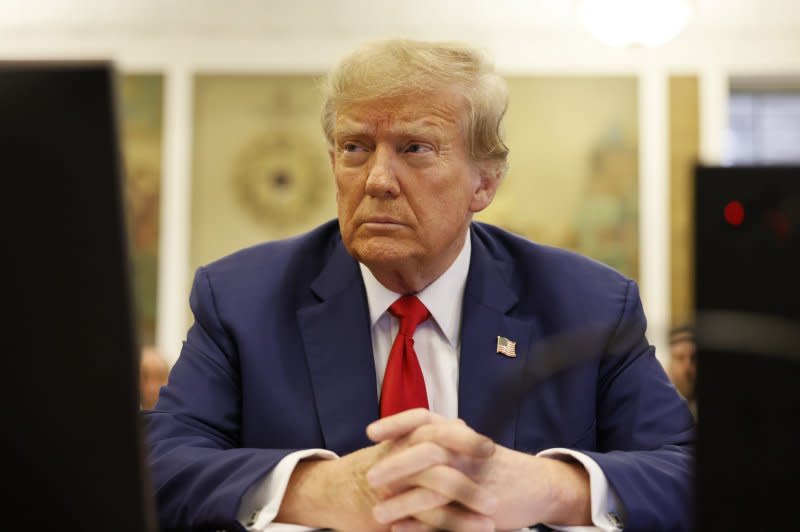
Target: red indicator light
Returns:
[734, 213]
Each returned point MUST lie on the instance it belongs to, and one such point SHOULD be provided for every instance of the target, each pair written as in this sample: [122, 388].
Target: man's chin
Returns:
[380, 252]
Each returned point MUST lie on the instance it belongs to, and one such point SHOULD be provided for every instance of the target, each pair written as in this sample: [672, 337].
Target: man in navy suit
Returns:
[527, 391]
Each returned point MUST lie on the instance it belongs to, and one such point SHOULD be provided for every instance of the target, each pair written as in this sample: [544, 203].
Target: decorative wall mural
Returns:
[279, 179]
[260, 166]
[573, 175]
[141, 111]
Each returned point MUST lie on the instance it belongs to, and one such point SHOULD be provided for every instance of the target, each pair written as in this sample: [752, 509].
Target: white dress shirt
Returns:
[437, 342]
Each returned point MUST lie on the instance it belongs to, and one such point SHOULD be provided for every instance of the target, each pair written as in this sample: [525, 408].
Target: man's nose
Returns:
[382, 177]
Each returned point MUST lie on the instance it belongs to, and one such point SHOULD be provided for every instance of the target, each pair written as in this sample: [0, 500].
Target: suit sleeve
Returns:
[645, 429]
[199, 470]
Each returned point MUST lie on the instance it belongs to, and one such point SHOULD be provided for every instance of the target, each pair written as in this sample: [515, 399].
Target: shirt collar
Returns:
[443, 297]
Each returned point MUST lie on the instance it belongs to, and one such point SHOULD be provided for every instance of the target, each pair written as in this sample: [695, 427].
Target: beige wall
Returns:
[684, 138]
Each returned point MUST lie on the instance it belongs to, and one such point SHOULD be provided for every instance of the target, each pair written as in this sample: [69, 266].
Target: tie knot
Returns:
[411, 312]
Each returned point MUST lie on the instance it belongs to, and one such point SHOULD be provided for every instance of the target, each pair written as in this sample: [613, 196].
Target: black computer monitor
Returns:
[747, 291]
[72, 433]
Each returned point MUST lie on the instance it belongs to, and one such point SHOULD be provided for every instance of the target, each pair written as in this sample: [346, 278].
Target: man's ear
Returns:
[489, 175]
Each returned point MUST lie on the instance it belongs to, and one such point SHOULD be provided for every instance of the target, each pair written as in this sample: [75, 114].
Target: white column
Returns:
[173, 254]
[654, 257]
[713, 115]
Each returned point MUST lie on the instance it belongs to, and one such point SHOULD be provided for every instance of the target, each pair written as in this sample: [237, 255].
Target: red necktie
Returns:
[403, 384]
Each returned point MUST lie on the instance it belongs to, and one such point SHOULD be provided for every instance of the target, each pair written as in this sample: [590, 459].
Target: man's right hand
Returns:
[334, 493]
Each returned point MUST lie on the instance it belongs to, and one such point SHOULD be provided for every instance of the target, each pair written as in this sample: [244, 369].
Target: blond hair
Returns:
[386, 69]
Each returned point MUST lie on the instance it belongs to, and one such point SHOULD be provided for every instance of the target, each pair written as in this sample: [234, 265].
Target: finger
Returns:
[455, 518]
[393, 427]
[449, 483]
[456, 436]
[458, 487]
[407, 504]
[407, 462]
[411, 525]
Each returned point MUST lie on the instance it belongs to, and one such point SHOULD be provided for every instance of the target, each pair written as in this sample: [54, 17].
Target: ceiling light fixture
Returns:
[631, 23]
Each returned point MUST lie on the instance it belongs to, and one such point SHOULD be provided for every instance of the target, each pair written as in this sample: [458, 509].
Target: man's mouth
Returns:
[388, 220]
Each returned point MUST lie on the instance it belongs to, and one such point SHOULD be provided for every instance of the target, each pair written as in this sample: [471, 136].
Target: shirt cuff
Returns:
[608, 513]
[261, 502]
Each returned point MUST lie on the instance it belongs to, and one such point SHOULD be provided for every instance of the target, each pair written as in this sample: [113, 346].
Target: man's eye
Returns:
[418, 148]
[351, 147]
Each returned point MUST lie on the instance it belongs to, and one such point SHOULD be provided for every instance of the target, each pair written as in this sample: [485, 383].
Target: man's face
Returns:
[153, 374]
[406, 187]
[683, 366]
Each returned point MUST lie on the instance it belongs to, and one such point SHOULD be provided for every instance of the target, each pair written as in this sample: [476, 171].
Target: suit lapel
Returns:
[338, 346]
[489, 382]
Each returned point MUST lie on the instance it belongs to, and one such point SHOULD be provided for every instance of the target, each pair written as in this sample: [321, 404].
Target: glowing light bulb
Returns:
[628, 23]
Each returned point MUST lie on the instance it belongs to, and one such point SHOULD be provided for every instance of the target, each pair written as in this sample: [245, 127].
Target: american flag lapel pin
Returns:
[506, 347]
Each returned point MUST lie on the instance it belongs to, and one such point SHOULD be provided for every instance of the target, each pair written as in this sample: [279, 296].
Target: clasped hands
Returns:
[427, 472]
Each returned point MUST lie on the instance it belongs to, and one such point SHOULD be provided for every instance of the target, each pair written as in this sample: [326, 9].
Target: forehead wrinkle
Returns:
[417, 128]
[348, 127]
[428, 118]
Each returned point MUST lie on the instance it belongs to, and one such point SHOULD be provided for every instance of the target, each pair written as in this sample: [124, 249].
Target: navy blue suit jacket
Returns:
[280, 358]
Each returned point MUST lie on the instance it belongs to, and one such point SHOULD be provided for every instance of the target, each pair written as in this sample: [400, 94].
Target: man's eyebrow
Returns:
[420, 128]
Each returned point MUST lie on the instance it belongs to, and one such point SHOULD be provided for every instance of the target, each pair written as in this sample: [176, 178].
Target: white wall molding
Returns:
[713, 114]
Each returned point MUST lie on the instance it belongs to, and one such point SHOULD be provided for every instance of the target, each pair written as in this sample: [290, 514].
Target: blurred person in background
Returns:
[682, 367]
[153, 374]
